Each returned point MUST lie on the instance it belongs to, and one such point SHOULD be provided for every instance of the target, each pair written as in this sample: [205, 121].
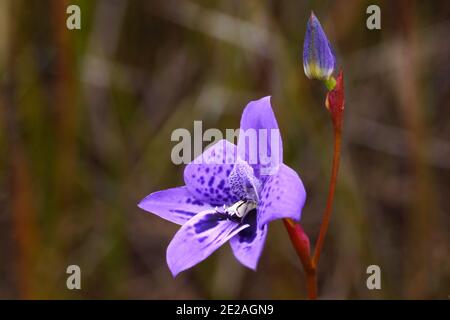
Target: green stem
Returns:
[330, 83]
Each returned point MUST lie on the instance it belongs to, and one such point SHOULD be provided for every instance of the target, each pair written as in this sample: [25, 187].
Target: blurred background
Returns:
[85, 123]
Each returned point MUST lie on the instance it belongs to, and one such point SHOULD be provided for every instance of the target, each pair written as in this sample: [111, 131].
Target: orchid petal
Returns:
[198, 238]
[177, 205]
[248, 244]
[207, 176]
[283, 196]
[260, 142]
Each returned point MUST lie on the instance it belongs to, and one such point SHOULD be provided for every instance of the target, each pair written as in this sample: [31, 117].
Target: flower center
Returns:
[240, 209]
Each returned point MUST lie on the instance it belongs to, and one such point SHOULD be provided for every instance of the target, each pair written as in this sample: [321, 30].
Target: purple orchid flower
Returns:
[231, 195]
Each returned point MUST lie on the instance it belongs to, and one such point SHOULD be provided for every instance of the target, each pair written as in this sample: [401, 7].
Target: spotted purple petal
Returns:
[198, 238]
[177, 205]
[248, 244]
[260, 142]
[283, 196]
[207, 176]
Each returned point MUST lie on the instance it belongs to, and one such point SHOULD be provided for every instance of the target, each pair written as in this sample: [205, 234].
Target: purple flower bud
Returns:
[318, 57]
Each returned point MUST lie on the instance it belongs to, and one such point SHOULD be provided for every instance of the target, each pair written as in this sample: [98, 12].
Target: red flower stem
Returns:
[300, 242]
[331, 191]
[298, 237]
[335, 104]
[311, 284]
